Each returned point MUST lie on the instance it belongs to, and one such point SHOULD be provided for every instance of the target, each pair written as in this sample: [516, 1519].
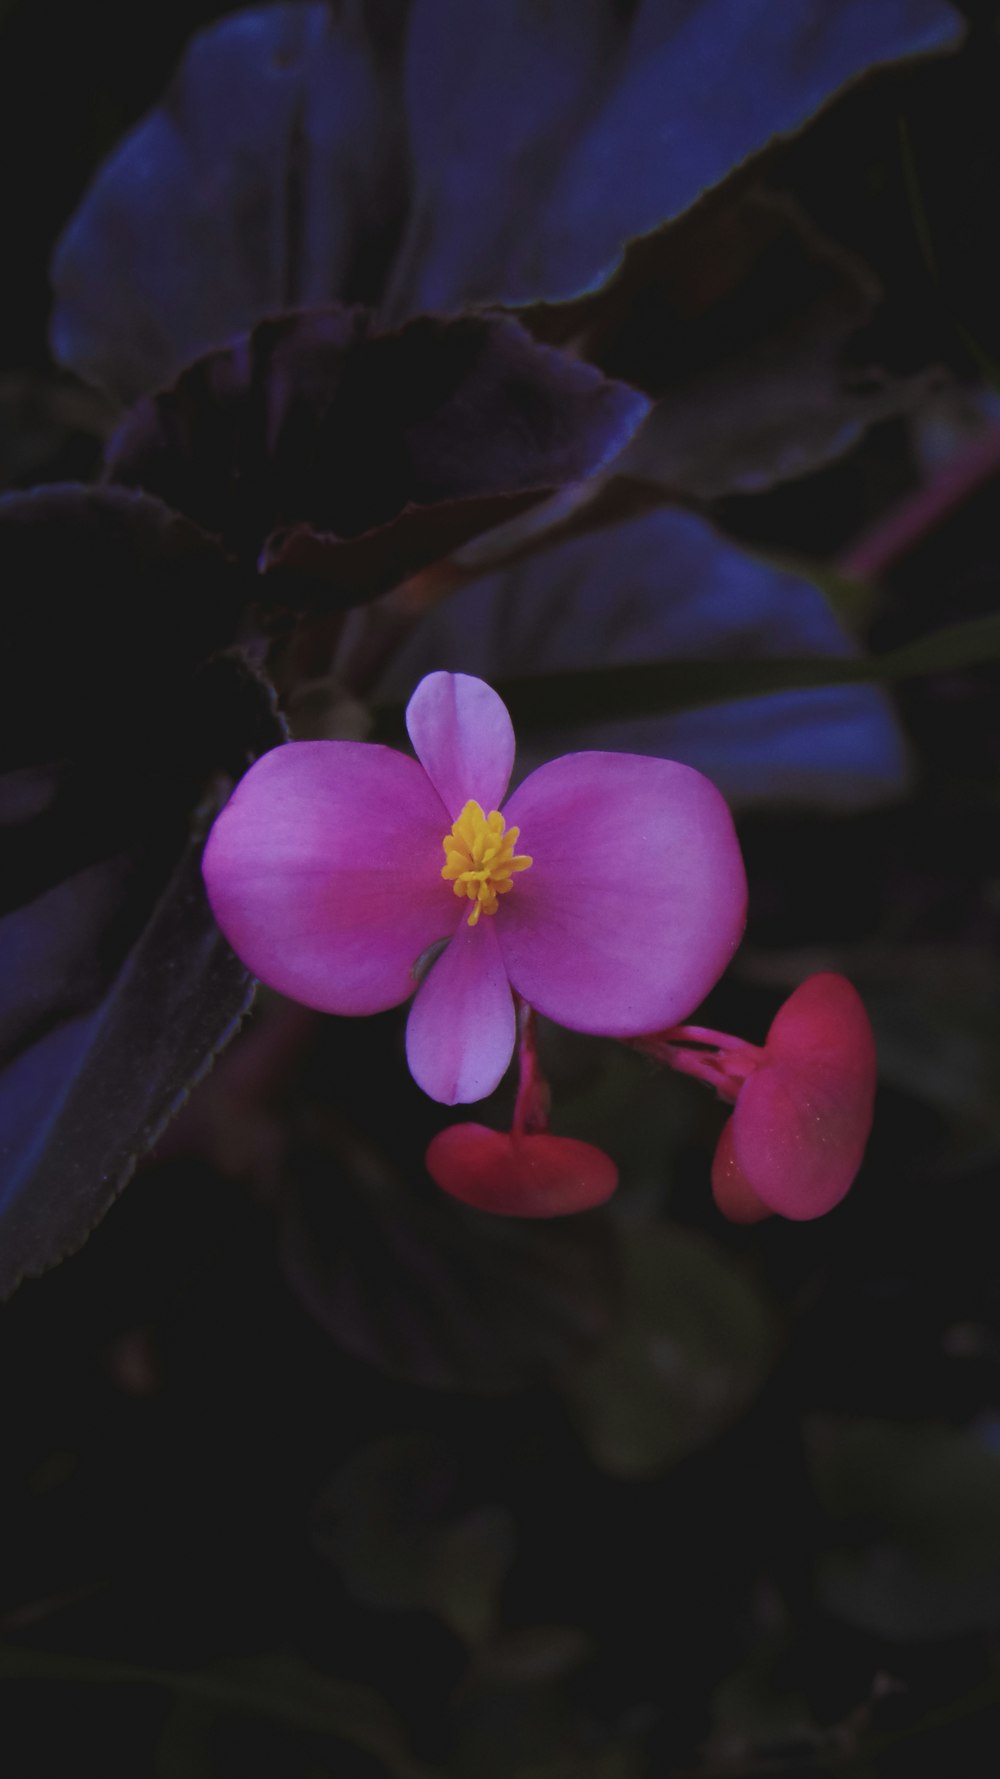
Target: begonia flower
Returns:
[803, 1102]
[337, 866]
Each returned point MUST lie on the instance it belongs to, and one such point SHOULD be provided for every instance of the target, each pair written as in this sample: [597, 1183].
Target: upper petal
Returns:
[636, 899]
[464, 737]
[460, 1033]
[802, 1120]
[324, 872]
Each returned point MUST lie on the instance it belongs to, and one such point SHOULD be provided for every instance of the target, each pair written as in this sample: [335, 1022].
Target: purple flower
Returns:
[337, 865]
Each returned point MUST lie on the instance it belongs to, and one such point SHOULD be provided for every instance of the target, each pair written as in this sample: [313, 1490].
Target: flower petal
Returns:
[464, 738]
[460, 1033]
[731, 1190]
[324, 873]
[802, 1120]
[534, 1175]
[636, 899]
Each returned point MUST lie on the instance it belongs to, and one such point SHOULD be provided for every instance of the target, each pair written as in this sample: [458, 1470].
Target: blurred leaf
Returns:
[693, 1342]
[624, 629]
[51, 428]
[550, 700]
[118, 986]
[918, 1509]
[395, 1525]
[277, 1686]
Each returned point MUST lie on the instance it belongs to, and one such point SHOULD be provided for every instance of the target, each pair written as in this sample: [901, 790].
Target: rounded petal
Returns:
[464, 739]
[534, 1175]
[461, 1029]
[803, 1118]
[731, 1190]
[636, 899]
[324, 873]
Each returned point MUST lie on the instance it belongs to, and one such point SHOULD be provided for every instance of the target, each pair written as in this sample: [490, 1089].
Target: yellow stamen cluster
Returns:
[481, 859]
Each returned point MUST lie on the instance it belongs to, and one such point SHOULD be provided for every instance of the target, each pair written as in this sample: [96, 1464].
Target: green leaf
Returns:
[395, 1525]
[280, 1687]
[693, 1342]
[919, 1514]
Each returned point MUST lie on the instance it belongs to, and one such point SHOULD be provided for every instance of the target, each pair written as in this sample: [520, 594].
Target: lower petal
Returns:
[636, 899]
[324, 873]
[461, 1029]
[532, 1175]
[733, 1194]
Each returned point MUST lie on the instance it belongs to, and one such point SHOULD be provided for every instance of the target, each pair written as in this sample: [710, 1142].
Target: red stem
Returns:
[906, 525]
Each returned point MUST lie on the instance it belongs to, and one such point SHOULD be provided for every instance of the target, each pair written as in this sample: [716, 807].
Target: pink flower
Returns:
[337, 865]
[803, 1103]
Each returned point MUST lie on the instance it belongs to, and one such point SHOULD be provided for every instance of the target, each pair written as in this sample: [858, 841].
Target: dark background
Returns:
[305, 1472]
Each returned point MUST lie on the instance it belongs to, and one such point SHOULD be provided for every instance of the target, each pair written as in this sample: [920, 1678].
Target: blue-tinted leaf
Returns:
[546, 137]
[659, 588]
[486, 153]
[315, 430]
[117, 985]
[271, 176]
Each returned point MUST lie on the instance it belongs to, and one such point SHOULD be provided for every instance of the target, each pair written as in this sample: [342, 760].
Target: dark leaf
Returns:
[307, 154]
[317, 438]
[278, 1687]
[398, 1273]
[118, 736]
[751, 330]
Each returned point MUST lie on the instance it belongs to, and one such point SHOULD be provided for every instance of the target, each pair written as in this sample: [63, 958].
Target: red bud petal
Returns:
[731, 1190]
[529, 1175]
[803, 1118]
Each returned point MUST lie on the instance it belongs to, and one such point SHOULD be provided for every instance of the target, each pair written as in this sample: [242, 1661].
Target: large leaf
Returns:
[119, 735]
[316, 430]
[616, 632]
[309, 153]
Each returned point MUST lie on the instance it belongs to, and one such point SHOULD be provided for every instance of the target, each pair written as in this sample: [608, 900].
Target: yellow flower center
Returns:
[481, 860]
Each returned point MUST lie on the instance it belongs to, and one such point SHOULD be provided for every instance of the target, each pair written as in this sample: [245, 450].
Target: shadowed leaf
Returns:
[118, 988]
[324, 452]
